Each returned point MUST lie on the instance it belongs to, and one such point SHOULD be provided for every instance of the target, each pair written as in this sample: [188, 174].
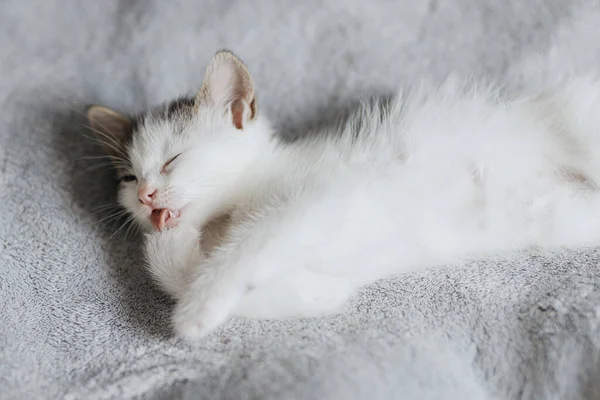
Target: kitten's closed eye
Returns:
[128, 178]
[162, 171]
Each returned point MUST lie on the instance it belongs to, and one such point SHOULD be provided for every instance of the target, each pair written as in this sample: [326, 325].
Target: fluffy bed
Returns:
[80, 317]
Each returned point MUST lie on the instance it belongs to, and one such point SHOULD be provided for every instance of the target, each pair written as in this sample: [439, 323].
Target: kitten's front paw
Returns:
[201, 313]
[193, 323]
[171, 258]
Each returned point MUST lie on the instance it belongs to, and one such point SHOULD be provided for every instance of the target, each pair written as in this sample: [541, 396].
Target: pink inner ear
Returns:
[237, 113]
[253, 108]
[222, 86]
[228, 86]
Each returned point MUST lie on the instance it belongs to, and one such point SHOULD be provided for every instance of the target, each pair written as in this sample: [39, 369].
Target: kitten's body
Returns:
[428, 180]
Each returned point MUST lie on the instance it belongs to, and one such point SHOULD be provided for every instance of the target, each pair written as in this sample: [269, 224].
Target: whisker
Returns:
[73, 108]
[131, 218]
[128, 231]
[105, 206]
[108, 137]
[102, 211]
[107, 165]
[117, 159]
[132, 230]
[112, 216]
[107, 144]
[115, 164]
[97, 140]
[112, 139]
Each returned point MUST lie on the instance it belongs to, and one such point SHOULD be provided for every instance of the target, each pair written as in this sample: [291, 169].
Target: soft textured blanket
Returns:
[80, 319]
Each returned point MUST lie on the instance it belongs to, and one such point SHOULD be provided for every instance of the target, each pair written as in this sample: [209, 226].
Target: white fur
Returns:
[441, 176]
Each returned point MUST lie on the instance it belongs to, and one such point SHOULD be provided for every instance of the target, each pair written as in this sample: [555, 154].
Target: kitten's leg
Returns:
[172, 255]
[257, 253]
[301, 293]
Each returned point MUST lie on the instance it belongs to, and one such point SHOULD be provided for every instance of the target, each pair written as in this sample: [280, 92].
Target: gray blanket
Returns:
[79, 317]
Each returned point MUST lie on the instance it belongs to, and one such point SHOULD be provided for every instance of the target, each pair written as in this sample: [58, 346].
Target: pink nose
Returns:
[145, 195]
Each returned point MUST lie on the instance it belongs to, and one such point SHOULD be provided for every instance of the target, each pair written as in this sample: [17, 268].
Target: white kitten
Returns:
[425, 180]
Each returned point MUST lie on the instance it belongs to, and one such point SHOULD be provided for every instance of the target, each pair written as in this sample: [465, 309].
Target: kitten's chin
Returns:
[146, 225]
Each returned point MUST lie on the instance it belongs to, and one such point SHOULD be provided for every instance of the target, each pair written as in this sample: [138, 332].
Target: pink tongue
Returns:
[159, 217]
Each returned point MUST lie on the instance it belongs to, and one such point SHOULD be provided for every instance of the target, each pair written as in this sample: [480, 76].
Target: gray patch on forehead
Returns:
[176, 113]
[173, 112]
[182, 107]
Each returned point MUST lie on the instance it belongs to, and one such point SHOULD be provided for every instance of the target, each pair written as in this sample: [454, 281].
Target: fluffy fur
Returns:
[427, 179]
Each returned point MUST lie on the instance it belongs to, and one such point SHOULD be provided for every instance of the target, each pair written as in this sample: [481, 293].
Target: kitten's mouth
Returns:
[163, 218]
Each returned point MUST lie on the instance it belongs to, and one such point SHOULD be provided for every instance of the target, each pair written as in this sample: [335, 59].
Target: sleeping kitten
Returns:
[431, 179]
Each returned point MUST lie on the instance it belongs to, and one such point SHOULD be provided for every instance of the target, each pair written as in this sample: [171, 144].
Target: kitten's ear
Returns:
[112, 129]
[228, 85]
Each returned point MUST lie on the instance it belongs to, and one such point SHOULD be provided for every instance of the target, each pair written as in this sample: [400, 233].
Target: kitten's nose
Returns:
[145, 194]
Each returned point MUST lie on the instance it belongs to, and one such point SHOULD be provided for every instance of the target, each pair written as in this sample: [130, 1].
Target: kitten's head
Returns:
[174, 161]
